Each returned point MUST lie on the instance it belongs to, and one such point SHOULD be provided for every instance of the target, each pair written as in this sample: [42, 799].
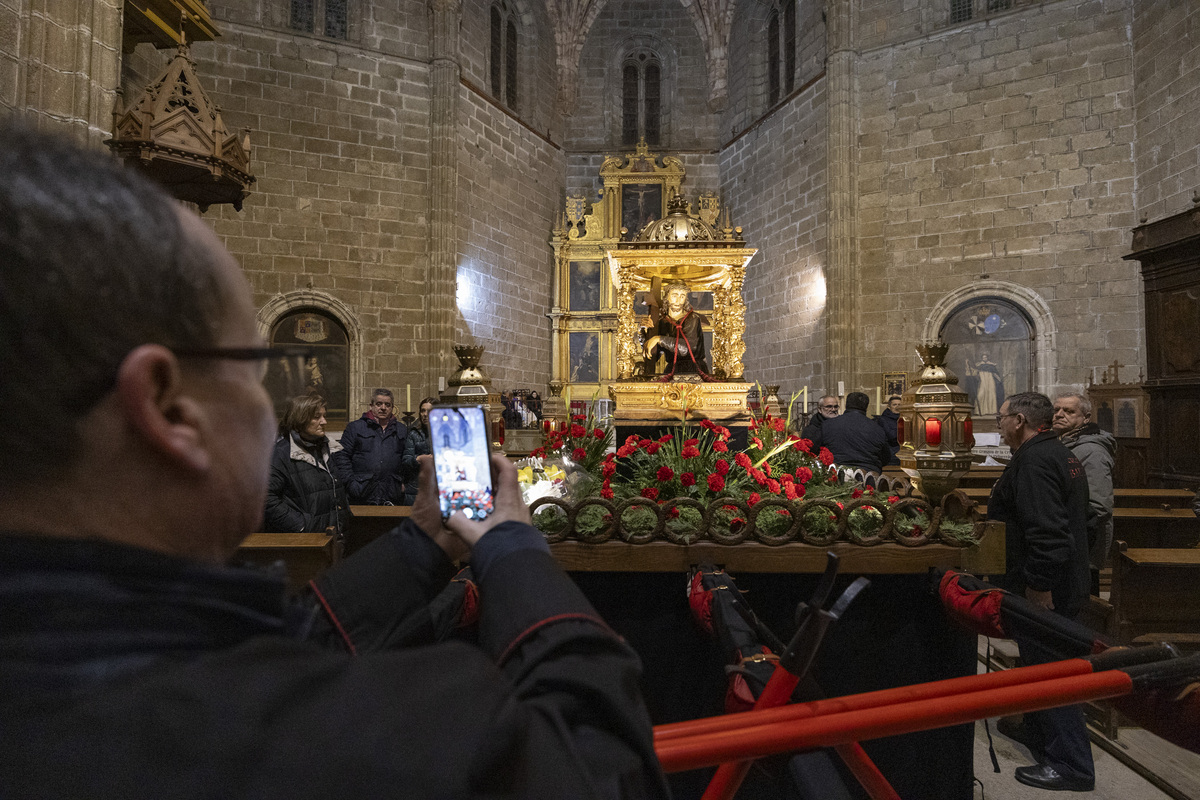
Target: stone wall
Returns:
[992, 151]
[340, 137]
[509, 189]
[1166, 38]
[59, 63]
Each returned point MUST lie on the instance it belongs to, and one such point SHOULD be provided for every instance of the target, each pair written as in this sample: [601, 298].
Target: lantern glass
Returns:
[933, 432]
[900, 430]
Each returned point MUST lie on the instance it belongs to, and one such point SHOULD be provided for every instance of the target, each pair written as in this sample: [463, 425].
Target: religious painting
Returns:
[641, 204]
[990, 350]
[701, 301]
[584, 356]
[326, 373]
[1124, 417]
[894, 383]
[584, 294]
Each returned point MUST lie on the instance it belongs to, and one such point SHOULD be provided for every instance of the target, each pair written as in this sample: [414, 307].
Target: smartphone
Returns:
[461, 459]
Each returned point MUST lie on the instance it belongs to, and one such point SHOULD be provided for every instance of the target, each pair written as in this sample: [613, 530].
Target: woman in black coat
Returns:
[303, 495]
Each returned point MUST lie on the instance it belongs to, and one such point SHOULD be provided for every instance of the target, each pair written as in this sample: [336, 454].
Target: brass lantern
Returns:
[935, 429]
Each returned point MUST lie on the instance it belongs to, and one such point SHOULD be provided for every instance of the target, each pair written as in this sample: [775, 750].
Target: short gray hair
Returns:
[1034, 406]
[385, 392]
[95, 263]
[1085, 405]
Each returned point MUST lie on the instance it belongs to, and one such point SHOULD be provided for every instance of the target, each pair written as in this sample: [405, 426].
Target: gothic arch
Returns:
[282, 304]
[1029, 301]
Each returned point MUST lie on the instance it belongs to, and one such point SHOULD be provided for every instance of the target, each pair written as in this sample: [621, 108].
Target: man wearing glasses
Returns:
[827, 408]
[1042, 498]
[134, 663]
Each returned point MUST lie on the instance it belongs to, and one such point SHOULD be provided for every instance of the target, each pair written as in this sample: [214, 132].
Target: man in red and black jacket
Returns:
[1042, 498]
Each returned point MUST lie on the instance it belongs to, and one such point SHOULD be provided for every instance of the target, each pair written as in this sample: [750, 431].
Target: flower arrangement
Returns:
[695, 479]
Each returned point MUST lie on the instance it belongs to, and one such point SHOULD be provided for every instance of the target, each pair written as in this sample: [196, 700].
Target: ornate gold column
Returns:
[841, 274]
[443, 254]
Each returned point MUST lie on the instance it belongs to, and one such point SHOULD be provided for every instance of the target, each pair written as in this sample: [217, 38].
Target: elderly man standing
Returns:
[371, 461]
[1096, 450]
[1042, 498]
[136, 664]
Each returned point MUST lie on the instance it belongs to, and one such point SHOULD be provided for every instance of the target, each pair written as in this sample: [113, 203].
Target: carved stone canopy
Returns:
[174, 134]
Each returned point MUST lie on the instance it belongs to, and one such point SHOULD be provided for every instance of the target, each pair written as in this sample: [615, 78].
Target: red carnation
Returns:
[653, 448]
[666, 437]
[803, 474]
[539, 452]
[721, 431]
[722, 466]
[598, 433]
[742, 460]
[690, 442]
[606, 492]
[789, 491]
[650, 492]
[688, 479]
[773, 486]
[767, 468]
[631, 440]
[707, 424]
[578, 454]
[626, 450]
[715, 483]
[674, 512]
[720, 447]
[786, 478]
[579, 417]
[578, 431]
[690, 452]
[753, 499]
[608, 457]
[608, 469]
[757, 442]
[664, 474]
[777, 425]
[894, 499]
[857, 493]
[825, 457]
[805, 445]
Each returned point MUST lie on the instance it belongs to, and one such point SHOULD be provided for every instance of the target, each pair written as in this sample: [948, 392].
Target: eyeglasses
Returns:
[1002, 416]
[834, 406]
[287, 361]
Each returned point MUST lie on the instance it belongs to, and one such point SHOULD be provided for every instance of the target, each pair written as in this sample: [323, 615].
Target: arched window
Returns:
[781, 51]
[503, 55]
[991, 352]
[327, 374]
[641, 98]
[333, 16]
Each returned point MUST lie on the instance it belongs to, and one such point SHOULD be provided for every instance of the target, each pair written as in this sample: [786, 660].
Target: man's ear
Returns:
[151, 397]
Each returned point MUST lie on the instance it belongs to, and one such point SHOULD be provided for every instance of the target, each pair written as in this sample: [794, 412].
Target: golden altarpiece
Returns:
[614, 258]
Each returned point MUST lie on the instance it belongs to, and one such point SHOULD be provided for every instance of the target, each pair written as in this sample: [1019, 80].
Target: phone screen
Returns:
[459, 439]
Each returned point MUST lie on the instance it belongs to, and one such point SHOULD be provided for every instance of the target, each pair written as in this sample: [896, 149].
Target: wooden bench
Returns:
[305, 555]
[371, 522]
[1156, 596]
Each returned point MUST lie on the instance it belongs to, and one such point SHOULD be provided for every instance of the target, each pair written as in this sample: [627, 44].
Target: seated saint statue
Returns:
[679, 336]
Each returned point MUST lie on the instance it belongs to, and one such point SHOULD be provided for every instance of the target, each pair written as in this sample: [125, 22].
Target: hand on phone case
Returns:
[509, 505]
[428, 516]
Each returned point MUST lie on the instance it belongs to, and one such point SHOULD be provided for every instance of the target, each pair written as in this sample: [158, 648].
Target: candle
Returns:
[567, 400]
[878, 390]
[933, 432]
[841, 389]
[806, 398]
[408, 397]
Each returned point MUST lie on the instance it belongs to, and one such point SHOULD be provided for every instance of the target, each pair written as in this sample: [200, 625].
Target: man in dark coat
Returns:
[371, 462]
[136, 664]
[889, 420]
[855, 440]
[1042, 498]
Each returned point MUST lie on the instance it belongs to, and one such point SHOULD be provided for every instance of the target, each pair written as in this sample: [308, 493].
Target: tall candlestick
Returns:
[567, 400]
[408, 397]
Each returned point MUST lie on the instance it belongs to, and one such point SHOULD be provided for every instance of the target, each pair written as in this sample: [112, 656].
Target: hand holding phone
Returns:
[509, 505]
[459, 440]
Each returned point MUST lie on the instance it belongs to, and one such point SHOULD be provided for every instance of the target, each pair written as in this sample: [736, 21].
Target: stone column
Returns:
[841, 276]
[440, 309]
[60, 62]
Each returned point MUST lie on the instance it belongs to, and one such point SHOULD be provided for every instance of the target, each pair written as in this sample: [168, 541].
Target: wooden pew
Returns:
[371, 522]
[1155, 596]
[305, 555]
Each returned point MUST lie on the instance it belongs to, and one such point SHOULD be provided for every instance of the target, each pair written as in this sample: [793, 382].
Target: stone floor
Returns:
[1136, 765]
